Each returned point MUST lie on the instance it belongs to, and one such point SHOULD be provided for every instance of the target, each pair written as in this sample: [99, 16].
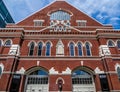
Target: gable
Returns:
[55, 6]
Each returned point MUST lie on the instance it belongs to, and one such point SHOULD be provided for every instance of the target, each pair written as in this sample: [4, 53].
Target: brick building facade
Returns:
[59, 48]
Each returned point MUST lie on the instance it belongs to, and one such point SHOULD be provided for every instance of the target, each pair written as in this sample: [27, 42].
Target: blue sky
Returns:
[105, 11]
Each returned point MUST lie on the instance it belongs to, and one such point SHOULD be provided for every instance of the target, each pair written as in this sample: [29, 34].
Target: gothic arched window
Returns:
[31, 48]
[71, 48]
[118, 72]
[40, 46]
[48, 47]
[8, 43]
[118, 44]
[0, 71]
[88, 49]
[111, 43]
[80, 51]
[0, 43]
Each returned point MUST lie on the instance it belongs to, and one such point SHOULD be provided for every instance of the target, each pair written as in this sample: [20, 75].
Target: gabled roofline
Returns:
[67, 3]
[35, 12]
[85, 13]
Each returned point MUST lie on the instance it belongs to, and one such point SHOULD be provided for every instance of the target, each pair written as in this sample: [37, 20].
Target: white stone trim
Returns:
[7, 40]
[98, 71]
[31, 42]
[60, 78]
[112, 41]
[2, 68]
[52, 71]
[21, 71]
[1, 42]
[67, 71]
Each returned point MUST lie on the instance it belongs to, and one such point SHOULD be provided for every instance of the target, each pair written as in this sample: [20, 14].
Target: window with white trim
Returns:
[81, 23]
[60, 15]
[111, 43]
[72, 49]
[38, 22]
[40, 47]
[88, 49]
[31, 48]
[48, 48]
[80, 49]
[118, 44]
[118, 72]
[0, 43]
[0, 70]
[60, 48]
[8, 43]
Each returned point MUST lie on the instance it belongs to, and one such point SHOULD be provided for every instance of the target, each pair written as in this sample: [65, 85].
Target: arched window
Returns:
[81, 77]
[71, 49]
[118, 44]
[8, 43]
[111, 43]
[118, 72]
[0, 71]
[31, 48]
[80, 51]
[60, 15]
[0, 43]
[40, 46]
[48, 47]
[37, 81]
[88, 49]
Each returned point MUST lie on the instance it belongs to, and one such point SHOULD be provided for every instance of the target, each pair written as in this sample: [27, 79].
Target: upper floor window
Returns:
[8, 43]
[48, 47]
[88, 49]
[80, 51]
[38, 22]
[71, 47]
[118, 72]
[81, 23]
[31, 48]
[60, 15]
[0, 43]
[0, 71]
[118, 44]
[111, 43]
[40, 46]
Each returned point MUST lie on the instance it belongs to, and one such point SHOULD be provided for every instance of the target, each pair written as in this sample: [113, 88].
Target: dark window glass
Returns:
[118, 71]
[118, 44]
[71, 49]
[39, 72]
[15, 84]
[110, 43]
[0, 71]
[31, 51]
[40, 49]
[48, 45]
[0, 43]
[88, 49]
[80, 49]
[8, 43]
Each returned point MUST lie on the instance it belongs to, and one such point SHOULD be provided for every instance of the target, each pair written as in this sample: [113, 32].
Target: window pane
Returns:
[0, 71]
[79, 49]
[60, 15]
[48, 49]
[31, 49]
[88, 49]
[40, 49]
[118, 44]
[110, 43]
[71, 49]
[0, 43]
[118, 71]
[8, 43]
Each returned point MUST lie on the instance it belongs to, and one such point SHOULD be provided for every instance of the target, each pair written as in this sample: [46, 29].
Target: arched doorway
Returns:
[83, 81]
[37, 81]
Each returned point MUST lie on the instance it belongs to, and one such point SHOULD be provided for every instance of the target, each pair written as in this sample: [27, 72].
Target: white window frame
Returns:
[112, 42]
[80, 23]
[6, 41]
[38, 23]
